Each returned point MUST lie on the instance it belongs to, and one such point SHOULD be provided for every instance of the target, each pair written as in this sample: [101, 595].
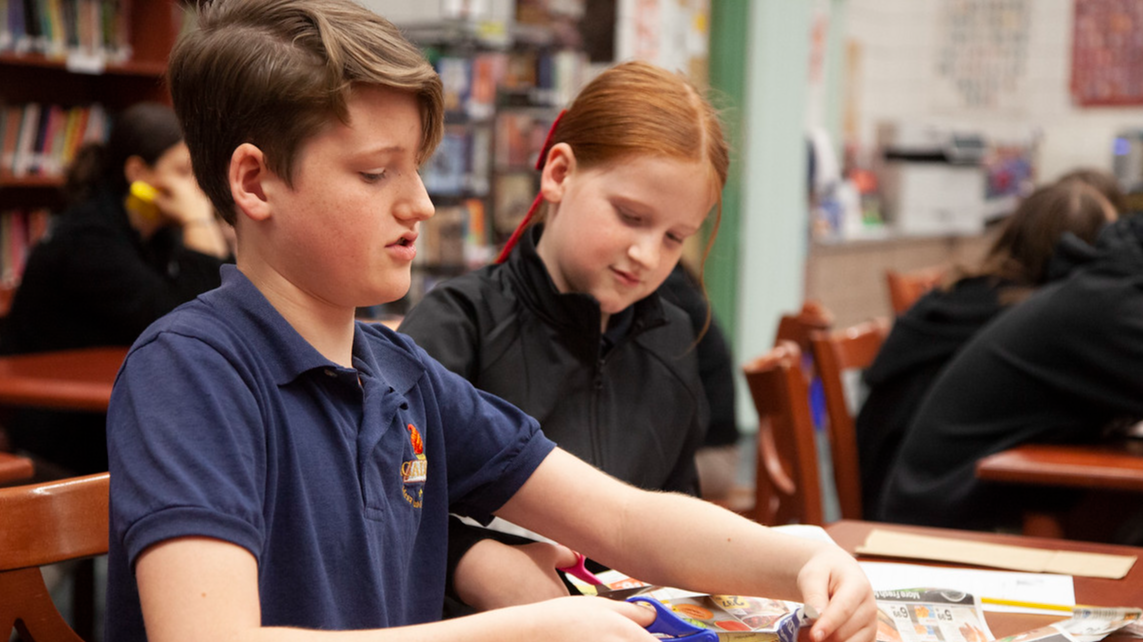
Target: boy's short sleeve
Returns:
[185, 447]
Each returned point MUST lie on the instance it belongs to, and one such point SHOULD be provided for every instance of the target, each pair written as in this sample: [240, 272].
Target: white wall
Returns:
[900, 41]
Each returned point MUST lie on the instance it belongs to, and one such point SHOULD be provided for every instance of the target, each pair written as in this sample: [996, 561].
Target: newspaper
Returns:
[734, 618]
[1086, 625]
[909, 615]
[930, 615]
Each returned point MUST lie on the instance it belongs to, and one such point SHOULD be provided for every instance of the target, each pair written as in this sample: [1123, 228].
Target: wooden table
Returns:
[1111, 466]
[65, 380]
[1089, 590]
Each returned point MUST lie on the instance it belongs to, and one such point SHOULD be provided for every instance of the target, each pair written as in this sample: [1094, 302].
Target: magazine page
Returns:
[930, 615]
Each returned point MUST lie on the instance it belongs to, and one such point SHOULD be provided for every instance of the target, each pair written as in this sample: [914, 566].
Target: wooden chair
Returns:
[44, 524]
[813, 317]
[906, 287]
[15, 468]
[795, 328]
[835, 352]
[787, 488]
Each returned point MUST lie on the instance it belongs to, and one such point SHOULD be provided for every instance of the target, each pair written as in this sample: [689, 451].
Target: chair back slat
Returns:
[906, 287]
[787, 488]
[43, 524]
[834, 353]
[54, 521]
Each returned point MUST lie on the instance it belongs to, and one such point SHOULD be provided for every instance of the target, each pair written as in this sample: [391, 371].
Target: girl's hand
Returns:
[182, 202]
[833, 584]
[595, 618]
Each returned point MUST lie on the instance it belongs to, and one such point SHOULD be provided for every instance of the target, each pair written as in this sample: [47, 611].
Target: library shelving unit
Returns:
[120, 65]
[503, 88]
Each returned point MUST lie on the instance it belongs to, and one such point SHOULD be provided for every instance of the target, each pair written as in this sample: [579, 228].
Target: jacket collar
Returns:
[573, 310]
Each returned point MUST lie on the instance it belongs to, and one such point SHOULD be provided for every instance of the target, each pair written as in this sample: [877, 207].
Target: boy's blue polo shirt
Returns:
[225, 423]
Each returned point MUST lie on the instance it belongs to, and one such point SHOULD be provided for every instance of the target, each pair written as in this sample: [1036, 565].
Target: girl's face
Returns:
[616, 231]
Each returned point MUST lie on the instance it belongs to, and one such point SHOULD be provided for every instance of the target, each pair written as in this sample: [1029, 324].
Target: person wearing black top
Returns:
[1060, 367]
[102, 273]
[717, 459]
[930, 333]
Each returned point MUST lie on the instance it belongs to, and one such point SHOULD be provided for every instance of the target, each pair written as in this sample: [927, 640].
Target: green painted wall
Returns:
[729, 28]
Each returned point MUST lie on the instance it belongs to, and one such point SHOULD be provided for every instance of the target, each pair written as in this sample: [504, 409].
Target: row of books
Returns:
[460, 165]
[55, 28]
[457, 236]
[20, 230]
[474, 84]
[467, 155]
[38, 139]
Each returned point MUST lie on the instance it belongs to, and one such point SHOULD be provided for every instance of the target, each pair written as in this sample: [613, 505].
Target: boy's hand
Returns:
[834, 585]
[493, 575]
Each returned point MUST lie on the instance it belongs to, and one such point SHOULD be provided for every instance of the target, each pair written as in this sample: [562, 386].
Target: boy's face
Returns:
[617, 231]
[344, 232]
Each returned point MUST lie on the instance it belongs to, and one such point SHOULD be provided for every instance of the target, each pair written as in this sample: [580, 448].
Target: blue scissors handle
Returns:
[668, 626]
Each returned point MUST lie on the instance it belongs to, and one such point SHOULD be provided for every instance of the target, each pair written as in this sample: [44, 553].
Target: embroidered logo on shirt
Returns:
[415, 471]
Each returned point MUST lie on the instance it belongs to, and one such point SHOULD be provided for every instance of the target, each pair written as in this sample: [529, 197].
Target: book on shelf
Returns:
[26, 140]
[512, 195]
[37, 139]
[9, 133]
[20, 230]
[59, 28]
[520, 137]
[455, 238]
[445, 172]
[441, 242]
[455, 73]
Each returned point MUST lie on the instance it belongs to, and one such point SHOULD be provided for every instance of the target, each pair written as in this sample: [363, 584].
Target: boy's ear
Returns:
[247, 173]
[558, 167]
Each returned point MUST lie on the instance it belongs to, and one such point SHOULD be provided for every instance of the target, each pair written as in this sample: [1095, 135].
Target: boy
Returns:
[277, 469]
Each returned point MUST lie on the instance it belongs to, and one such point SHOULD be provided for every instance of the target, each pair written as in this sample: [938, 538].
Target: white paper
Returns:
[1041, 588]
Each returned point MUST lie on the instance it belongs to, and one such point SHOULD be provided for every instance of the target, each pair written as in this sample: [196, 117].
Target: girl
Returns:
[104, 272]
[927, 336]
[569, 326]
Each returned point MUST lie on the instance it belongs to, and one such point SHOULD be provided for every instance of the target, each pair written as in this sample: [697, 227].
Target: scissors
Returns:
[668, 626]
[579, 570]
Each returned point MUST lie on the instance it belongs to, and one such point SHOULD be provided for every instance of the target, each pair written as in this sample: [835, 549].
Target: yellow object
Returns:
[141, 200]
[1030, 605]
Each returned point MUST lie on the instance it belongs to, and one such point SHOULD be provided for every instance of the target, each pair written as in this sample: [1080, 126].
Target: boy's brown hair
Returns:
[273, 73]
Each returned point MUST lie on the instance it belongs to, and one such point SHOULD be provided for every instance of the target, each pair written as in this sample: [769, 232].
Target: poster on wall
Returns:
[1107, 52]
[982, 54]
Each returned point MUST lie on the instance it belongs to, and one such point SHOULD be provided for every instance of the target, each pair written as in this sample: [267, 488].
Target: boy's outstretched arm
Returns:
[675, 540]
[195, 589]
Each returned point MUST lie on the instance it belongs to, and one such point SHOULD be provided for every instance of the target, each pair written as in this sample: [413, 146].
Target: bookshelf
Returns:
[72, 64]
[504, 84]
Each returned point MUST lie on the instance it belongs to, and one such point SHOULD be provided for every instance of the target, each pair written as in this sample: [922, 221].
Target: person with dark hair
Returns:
[929, 334]
[1105, 182]
[717, 459]
[1062, 366]
[104, 272]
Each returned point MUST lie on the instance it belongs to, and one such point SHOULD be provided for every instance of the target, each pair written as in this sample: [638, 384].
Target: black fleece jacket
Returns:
[636, 409]
[1061, 366]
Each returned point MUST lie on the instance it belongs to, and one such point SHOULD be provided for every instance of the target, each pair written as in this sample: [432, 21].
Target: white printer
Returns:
[932, 178]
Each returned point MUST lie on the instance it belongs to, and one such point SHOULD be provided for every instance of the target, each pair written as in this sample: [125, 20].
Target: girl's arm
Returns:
[675, 540]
